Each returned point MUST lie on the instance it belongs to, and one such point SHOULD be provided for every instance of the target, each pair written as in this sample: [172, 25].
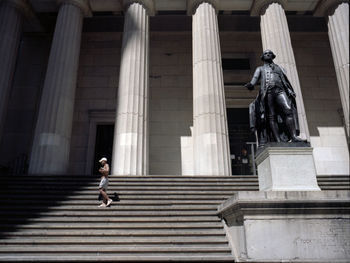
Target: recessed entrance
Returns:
[103, 145]
[239, 136]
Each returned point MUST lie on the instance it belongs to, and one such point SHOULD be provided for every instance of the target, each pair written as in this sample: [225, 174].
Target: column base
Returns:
[286, 167]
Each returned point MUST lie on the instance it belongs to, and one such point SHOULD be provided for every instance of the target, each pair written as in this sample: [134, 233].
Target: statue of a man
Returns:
[273, 114]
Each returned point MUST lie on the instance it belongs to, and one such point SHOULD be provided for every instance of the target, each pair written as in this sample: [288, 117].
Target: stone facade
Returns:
[170, 92]
[155, 70]
[170, 99]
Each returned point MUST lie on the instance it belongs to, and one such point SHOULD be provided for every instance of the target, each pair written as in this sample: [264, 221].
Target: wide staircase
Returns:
[158, 218]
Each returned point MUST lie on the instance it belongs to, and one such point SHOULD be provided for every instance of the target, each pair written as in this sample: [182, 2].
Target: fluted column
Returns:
[275, 36]
[11, 20]
[130, 145]
[50, 150]
[337, 13]
[210, 135]
[338, 31]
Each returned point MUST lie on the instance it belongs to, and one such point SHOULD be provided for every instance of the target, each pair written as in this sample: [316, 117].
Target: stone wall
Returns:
[331, 152]
[318, 80]
[170, 99]
[98, 78]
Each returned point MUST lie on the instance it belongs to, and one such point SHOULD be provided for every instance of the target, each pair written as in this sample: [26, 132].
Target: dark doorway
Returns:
[239, 135]
[103, 145]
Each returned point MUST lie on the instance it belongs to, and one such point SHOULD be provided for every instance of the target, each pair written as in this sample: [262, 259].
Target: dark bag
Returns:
[115, 197]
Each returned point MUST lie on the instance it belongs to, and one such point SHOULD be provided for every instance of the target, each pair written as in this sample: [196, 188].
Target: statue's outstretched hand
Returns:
[249, 86]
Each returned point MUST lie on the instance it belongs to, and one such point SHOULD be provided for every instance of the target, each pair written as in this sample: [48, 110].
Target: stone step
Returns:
[169, 183]
[79, 178]
[243, 186]
[333, 182]
[182, 182]
[148, 179]
[153, 257]
[134, 181]
[64, 193]
[335, 187]
[122, 203]
[111, 249]
[132, 188]
[167, 232]
[94, 202]
[124, 240]
[132, 199]
[136, 192]
[84, 179]
[108, 225]
[95, 218]
[334, 176]
[113, 206]
[107, 212]
[122, 188]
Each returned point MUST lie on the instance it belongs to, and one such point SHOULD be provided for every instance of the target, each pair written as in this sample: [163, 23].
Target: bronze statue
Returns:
[273, 114]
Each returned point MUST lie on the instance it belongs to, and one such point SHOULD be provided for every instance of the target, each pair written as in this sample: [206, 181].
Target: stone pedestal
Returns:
[210, 132]
[50, 152]
[286, 167]
[288, 226]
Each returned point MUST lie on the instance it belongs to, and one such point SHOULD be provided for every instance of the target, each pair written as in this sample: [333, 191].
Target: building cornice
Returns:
[149, 5]
[327, 7]
[82, 4]
[192, 5]
[259, 6]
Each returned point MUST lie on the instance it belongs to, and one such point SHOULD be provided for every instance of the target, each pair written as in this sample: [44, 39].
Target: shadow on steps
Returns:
[27, 197]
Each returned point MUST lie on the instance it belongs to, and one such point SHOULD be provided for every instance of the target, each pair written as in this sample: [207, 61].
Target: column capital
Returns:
[193, 4]
[82, 4]
[22, 5]
[259, 6]
[148, 4]
[327, 7]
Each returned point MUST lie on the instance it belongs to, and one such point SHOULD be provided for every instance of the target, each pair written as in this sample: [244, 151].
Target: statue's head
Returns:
[267, 55]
